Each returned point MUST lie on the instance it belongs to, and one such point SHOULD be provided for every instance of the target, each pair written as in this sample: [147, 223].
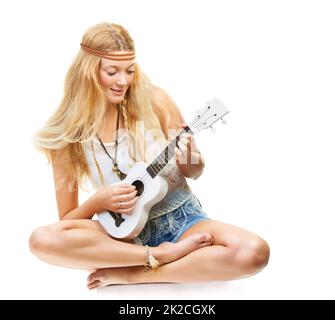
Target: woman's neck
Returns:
[107, 131]
[111, 110]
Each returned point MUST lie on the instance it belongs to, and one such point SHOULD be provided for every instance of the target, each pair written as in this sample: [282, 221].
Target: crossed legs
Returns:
[208, 251]
[235, 253]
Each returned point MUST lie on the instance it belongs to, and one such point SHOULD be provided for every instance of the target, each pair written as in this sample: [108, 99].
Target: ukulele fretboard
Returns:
[165, 156]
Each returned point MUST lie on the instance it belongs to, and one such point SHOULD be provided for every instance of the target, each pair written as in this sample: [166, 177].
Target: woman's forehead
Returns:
[117, 64]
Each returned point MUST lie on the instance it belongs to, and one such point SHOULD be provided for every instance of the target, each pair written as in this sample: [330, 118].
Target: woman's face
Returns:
[116, 77]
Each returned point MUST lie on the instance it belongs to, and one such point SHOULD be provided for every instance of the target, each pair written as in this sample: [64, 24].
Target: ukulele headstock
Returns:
[210, 114]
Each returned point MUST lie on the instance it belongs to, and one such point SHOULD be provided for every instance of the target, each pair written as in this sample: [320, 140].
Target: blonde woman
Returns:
[94, 134]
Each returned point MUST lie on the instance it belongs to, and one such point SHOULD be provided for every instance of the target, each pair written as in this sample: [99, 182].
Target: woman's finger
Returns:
[121, 205]
[127, 211]
[183, 149]
[126, 197]
[178, 153]
[124, 190]
[181, 154]
[130, 203]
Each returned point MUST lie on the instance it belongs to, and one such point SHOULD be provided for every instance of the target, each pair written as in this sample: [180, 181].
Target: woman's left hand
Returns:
[186, 151]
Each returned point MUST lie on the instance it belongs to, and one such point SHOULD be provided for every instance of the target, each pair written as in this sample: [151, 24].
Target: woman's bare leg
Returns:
[235, 253]
[83, 244]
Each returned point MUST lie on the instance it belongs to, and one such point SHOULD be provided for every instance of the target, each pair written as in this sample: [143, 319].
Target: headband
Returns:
[129, 55]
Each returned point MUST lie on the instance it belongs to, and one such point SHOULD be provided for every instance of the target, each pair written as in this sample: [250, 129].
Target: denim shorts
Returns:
[171, 226]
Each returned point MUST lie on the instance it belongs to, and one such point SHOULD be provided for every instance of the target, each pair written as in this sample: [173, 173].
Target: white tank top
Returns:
[178, 191]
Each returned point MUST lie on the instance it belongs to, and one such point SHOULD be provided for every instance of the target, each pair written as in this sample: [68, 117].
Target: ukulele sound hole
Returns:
[139, 187]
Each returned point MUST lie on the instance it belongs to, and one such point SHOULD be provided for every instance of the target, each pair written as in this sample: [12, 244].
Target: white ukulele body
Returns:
[150, 191]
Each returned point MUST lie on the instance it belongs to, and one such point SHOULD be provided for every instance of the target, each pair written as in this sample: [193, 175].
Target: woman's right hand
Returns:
[120, 198]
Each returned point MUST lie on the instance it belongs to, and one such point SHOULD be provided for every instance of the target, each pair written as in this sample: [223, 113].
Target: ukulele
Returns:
[151, 188]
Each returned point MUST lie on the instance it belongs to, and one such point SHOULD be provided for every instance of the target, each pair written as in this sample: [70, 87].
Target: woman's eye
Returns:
[114, 73]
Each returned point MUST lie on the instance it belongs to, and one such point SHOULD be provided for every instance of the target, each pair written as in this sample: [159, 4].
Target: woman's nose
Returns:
[121, 80]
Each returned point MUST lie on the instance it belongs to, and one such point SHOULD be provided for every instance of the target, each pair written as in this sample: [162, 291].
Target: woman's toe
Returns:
[94, 284]
[91, 277]
[205, 237]
[96, 275]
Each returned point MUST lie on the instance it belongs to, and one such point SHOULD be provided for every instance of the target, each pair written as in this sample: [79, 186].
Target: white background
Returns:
[269, 170]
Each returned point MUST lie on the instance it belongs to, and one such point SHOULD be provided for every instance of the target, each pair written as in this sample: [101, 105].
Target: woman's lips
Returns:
[117, 92]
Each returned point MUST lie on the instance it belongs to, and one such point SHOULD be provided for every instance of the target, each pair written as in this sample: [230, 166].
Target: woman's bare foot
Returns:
[105, 277]
[168, 251]
[164, 253]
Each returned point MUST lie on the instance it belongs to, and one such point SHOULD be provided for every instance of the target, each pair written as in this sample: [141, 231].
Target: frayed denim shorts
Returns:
[171, 225]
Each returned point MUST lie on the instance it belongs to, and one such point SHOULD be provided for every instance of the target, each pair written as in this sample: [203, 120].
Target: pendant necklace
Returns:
[115, 168]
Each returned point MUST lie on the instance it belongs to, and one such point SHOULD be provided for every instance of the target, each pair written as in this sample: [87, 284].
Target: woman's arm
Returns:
[106, 198]
[67, 198]
[189, 159]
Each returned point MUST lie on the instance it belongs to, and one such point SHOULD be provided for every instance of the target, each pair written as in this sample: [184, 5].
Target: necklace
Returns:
[115, 168]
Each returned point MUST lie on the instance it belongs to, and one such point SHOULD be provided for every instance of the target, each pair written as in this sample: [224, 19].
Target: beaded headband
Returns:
[130, 55]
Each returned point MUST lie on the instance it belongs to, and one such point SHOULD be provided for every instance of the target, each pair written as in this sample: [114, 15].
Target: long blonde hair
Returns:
[84, 104]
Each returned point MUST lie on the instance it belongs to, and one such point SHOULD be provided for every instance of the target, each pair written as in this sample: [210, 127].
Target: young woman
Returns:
[94, 134]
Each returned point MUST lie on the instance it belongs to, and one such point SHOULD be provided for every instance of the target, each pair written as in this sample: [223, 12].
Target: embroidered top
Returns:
[178, 189]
